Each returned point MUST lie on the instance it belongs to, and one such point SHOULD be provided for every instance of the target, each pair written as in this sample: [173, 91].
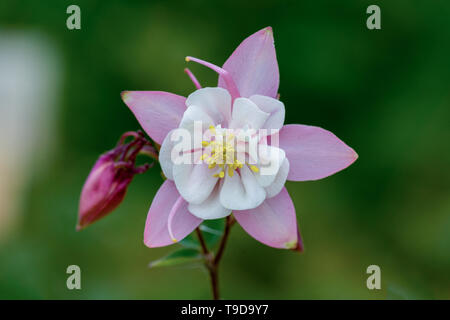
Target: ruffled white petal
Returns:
[195, 182]
[241, 192]
[178, 147]
[246, 114]
[270, 159]
[164, 157]
[195, 113]
[277, 185]
[211, 208]
[273, 107]
[215, 102]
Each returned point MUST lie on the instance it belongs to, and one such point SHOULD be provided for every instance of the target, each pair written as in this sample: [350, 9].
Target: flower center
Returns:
[221, 151]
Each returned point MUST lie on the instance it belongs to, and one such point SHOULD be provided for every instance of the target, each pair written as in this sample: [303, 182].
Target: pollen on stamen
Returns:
[237, 164]
[254, 168]
[221, 174]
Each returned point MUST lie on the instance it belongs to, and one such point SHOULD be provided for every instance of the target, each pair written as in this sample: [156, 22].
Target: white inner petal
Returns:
[215, 102]
[211, 208]
[277, 185]
[195, 182]
[270, 159]
[246, 113]
[272, 106]
[242, 192]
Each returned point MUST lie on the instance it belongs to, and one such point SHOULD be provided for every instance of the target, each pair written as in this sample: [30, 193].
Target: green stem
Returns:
[223, 242]
[211, 262]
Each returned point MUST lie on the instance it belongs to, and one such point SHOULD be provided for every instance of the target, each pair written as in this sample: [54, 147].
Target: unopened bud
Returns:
[108, 180]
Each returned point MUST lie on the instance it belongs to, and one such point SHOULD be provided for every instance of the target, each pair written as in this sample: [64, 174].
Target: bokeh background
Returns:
[384, 92]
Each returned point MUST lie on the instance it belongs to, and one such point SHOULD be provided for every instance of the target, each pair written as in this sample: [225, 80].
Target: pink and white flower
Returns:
[222, 178]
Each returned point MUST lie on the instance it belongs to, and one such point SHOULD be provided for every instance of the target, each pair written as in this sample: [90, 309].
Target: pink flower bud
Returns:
[108, 180]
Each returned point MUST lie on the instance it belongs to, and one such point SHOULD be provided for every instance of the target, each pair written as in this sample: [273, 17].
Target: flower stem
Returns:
[211, 262]
[202, 241]
[223, 242]
[214, 283]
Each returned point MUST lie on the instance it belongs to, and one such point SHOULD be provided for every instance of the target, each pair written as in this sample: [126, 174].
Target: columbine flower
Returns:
[208, 188]
[108, 180]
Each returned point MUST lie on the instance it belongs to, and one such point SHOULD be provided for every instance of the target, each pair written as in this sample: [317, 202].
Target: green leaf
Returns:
[190, 241]
[181, 256]
[212, 231]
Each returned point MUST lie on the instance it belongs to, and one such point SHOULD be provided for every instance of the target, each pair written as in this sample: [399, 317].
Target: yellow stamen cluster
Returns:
[223, 155]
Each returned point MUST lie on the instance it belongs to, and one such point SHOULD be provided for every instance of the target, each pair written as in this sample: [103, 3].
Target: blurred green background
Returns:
[384, 92]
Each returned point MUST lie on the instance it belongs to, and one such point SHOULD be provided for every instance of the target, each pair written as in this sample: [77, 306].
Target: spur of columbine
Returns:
[225, 150]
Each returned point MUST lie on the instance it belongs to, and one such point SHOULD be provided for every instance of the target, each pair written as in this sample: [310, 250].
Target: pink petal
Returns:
[158, 112]
[273, 223]
[300, 247]
[253, 66]
[314, 153]
[156, 232]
